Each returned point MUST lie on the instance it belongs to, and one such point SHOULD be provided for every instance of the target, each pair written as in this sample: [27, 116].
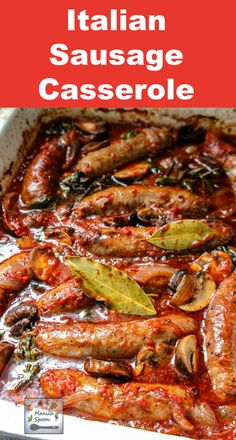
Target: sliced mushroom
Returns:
[133, 171]
[184, 286]
[98, 367]
[192, 291]
[217, 263]
[20, 318]
[186, 355]
[6, 351]
[152, 356]
[19, 327]
[146, 356]
[20, 312]
[93, 146]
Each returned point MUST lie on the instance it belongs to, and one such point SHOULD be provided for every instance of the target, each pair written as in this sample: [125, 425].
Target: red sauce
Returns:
[26, 229]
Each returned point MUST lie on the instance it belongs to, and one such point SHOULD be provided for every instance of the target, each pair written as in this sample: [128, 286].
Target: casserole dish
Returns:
[20, 128]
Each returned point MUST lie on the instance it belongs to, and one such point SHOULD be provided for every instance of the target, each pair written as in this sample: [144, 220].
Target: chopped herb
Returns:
[206, 175]
[129, 134]
[27, 349]
[29, 371]
[167, 181]
[59, 127]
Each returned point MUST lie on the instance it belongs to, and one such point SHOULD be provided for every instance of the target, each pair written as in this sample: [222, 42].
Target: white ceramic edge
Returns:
[13, 423]
[13, 123]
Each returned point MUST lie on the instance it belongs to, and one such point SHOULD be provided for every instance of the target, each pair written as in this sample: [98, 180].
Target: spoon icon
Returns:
[35, 427]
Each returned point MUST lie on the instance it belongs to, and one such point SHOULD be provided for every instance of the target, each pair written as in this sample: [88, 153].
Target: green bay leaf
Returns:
[112, 286]
[182, 234]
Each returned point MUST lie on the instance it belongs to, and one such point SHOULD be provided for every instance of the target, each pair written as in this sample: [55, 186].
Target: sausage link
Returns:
[111, 341]
[14, 276]
[42, 176]
[221, 338]
[125, 150]
[129, 401]
[122, 200]
[68, 297]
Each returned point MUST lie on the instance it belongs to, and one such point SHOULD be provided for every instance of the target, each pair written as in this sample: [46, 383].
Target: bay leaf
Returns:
[112, 286]
[182, 234]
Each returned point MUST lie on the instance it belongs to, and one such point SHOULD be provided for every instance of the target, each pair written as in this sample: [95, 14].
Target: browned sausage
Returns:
[130, 401]
[131, 241]
[221, 338]
[111, 341]
[68, 297]
[126, 149]
[14, 276]
[121, 200]
[42, 176]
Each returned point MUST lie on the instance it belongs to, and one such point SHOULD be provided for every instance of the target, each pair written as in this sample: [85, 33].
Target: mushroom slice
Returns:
[205, 287]
[20, 318]
[184, 286]
[94, 146]
[146, 356]
[133, 171]
[217, 263]
[192, 292]
[20, 312]
[152, 356]
[186, 355]
[98, 367]
[92, 126]
[6, 351]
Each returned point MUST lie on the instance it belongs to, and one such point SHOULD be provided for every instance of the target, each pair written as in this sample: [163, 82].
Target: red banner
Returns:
[117, 54]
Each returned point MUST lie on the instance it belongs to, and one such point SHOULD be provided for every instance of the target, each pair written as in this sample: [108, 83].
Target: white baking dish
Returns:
[18, 128]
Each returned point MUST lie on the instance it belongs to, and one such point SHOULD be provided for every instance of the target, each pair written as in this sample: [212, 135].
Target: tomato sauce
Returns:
[192, 166]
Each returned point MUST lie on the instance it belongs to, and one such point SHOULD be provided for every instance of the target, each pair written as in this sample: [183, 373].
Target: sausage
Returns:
[126, 149]
[14, 276]
[42, 176]
[68, 297]
[221, 338]
[129, 401]
[119, 200]
[111, 341]
[152, 278]
[124, 242]
[131, 241]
